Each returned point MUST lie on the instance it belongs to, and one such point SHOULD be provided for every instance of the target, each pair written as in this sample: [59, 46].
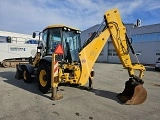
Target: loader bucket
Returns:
[134, 93]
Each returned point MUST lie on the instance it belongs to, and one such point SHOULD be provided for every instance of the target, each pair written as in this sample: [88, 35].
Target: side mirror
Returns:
[34, 35]
[8, 39]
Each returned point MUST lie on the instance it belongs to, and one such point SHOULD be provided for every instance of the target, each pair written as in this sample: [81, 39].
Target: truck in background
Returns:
[16, 48]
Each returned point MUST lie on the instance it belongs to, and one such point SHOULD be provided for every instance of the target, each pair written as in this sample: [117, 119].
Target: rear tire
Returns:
[44, 77]
[27, 76]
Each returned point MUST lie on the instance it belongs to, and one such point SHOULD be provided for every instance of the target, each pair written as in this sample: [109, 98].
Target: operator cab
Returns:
[67, 37]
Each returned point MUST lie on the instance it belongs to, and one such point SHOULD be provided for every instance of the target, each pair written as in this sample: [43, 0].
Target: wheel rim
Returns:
[41, 78]
[24, 75]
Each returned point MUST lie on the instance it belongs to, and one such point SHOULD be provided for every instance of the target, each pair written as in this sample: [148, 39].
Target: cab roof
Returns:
[60, 26]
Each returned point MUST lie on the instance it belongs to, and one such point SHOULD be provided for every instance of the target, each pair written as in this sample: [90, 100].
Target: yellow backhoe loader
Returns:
[76, 62]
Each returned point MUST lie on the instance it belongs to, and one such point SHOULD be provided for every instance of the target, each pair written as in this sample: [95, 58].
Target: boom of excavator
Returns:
[79, 71]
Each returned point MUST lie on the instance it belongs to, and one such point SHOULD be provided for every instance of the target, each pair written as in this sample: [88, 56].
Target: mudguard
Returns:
[46, 59]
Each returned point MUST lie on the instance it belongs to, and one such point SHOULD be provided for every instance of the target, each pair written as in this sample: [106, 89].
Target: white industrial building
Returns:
[145, 41]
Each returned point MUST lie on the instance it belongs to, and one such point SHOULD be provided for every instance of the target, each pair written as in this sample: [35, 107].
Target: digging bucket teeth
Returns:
[134, 92]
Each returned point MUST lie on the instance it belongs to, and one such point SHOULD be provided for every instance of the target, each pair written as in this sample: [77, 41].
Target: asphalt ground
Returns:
[21, 101]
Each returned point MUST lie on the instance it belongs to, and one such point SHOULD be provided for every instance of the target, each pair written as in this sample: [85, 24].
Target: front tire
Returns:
[44, 77]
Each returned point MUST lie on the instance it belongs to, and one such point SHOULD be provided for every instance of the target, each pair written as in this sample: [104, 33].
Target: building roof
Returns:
[146, 29]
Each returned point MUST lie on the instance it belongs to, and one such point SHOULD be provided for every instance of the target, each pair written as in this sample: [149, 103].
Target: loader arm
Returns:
[117, 32]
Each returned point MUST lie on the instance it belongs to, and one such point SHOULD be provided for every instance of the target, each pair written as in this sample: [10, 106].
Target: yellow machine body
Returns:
[81, 71]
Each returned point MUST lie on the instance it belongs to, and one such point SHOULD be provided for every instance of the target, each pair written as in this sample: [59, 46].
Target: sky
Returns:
[27, 16]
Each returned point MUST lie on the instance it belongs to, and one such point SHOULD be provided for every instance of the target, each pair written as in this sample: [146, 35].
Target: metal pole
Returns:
[54, 81]
[54, 92]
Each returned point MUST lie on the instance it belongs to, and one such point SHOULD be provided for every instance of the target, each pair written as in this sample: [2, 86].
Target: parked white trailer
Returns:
[16, 48]
[13, 53]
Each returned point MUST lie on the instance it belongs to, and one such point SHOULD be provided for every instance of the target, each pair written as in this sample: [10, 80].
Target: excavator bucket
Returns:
[134, 93]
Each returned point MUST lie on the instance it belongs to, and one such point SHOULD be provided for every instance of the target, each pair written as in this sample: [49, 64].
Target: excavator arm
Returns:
[90, 53]
[114, 29]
